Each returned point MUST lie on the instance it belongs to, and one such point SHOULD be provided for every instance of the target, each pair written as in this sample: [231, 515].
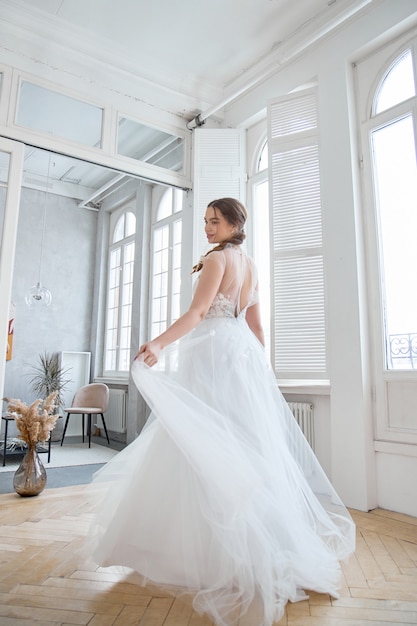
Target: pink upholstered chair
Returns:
[90, 400]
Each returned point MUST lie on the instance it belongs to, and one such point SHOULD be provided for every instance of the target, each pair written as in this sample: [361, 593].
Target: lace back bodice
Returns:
[222, 306]
[237, 290]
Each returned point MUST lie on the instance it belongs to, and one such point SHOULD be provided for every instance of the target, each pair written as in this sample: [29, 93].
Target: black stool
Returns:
[10, 418]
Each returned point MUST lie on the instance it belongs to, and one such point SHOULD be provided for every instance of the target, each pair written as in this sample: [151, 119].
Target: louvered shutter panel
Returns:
[219, 172]
[298, 309]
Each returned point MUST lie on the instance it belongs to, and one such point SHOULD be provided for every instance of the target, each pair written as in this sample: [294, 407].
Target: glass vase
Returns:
[30, 476]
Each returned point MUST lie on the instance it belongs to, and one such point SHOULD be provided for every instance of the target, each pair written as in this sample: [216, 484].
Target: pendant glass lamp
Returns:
[38, 295]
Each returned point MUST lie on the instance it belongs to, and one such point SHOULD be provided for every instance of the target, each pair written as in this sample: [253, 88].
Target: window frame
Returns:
[393, 390]
[260, 177]
[105, 155]
[157, 224]
[121, 245]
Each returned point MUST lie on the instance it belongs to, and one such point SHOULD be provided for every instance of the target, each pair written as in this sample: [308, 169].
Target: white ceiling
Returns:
[194, 47]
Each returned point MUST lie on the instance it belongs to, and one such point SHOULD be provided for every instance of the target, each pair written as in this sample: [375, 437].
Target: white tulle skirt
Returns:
[221, 495]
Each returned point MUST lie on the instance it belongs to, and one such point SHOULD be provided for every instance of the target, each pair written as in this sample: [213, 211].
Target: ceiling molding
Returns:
[311, 33]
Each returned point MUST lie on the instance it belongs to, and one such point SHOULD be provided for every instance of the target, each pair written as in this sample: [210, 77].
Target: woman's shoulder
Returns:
[216, 256]
[214, 259]
[228, 252]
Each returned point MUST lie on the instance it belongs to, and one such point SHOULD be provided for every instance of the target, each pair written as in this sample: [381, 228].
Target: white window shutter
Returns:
[298, 298]
[219, 172]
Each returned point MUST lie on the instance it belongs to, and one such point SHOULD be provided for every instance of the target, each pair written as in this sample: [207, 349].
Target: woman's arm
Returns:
[253, 318]
[208, 285]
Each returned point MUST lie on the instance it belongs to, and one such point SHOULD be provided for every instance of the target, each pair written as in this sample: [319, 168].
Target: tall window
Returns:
[393, 145]
[387, 105]
[261, 248]
[120, 294]
[166, 262]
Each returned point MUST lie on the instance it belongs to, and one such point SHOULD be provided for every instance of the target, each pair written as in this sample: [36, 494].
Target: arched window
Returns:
[387, 105]
[120, 293]
[397, 84]
[166, 262]
[393, 141]
[262, 161]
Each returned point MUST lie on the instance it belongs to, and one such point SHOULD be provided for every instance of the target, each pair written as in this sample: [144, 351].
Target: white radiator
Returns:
[304, 415]
[116, 413]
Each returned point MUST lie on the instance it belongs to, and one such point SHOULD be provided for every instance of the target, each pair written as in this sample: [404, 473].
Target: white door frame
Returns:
[8, 242]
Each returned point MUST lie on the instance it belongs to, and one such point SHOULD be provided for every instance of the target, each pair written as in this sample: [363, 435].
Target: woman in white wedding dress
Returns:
[221, 496]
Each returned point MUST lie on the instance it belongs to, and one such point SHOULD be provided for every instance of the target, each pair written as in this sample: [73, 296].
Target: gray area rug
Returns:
[65, 456]
[78, 465]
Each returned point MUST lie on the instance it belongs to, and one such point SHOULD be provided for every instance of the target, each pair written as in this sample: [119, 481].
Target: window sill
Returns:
[112, 380]
[311, 387]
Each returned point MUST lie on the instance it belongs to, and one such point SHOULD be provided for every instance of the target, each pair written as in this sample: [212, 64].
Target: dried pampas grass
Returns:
[35, 421]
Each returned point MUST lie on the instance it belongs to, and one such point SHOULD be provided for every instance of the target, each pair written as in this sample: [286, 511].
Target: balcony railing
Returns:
[402, 351]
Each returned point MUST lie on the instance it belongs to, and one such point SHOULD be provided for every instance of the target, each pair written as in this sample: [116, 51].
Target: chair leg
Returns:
[6, 427]
[89, 430]
[83, 426]
[49, 448]
[65, 428]
[105, 428]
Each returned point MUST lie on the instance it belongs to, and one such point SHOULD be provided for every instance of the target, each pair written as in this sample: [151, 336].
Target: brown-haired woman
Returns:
[221, 495]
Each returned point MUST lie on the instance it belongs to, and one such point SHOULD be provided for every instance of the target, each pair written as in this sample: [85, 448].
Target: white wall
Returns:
[67, 271]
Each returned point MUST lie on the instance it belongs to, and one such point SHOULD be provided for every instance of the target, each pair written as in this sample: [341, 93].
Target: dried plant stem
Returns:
[34, 422]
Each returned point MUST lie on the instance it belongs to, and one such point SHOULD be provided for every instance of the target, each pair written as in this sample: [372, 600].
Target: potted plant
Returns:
[49, 377]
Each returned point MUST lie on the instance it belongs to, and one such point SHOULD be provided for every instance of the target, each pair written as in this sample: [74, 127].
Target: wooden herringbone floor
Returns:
[46, 577]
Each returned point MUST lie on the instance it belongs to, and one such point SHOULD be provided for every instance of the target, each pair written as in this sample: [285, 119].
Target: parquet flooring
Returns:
[48, 579]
